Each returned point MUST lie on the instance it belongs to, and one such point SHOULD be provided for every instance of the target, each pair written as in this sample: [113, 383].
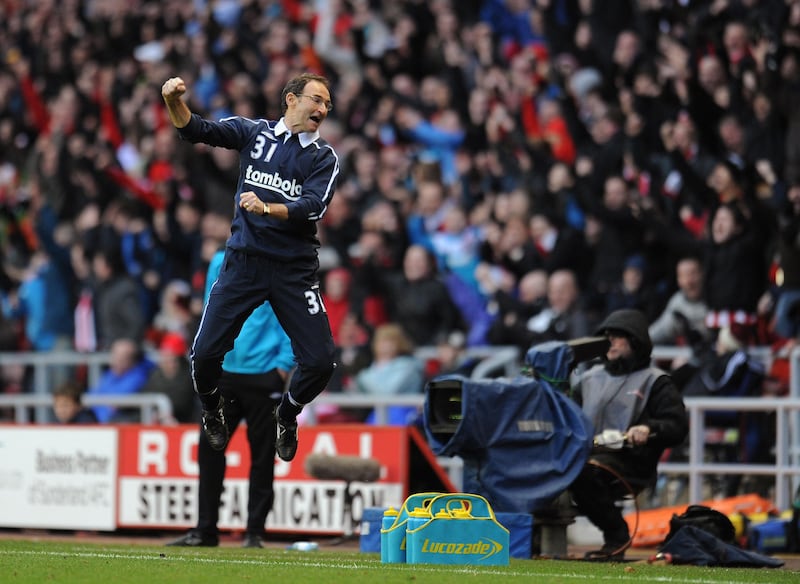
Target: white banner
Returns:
[58, 478]
[307, 506]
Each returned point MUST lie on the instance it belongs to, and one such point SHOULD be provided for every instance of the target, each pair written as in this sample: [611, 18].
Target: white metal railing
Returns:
[668, 352]
[492, 358]
[43, 362]
[380, 403]
[785, 469]
[154, 408]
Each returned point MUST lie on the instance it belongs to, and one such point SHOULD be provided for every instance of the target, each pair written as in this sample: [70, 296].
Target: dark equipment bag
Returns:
[705, 518]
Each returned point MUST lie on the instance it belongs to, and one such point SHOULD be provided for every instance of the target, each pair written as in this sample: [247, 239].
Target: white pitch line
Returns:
[371, 565]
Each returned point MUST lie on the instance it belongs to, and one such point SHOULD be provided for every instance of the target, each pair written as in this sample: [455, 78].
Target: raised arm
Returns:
[172, 91]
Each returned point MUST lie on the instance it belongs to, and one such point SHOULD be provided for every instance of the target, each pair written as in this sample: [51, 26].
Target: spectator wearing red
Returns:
[336, 296]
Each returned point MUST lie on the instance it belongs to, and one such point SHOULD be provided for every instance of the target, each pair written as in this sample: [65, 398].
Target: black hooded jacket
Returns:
[664, 413]
[633, 325]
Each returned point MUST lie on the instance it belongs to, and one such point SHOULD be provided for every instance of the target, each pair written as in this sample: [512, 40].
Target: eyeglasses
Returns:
[318, 100]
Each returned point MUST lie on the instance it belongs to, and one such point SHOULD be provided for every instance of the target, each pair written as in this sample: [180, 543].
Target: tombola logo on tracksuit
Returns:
[484, 547]
[272, 181]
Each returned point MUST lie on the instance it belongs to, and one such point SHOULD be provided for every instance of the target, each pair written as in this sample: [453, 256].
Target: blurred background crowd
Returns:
[512, 171]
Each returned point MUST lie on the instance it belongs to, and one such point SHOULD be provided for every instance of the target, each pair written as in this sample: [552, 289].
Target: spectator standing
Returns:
[618, 236]
[140, 256]
[272, 250]
[512, 310]
[174, 314]
[429, 213]
[518, 252]
[457, 246]
[683, 319]
[734, 280]
[56, 278]
[353, 353]
[377, 256]
[420, 301]
[633, 290]
[116, 300]
[336, 296]
[30, 303]
[564, 317]
[44, 299]
[438, 138]
[177, 230]
[560, 247]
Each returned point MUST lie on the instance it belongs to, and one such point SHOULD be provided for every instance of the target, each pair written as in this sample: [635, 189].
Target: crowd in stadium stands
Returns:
[511, 169]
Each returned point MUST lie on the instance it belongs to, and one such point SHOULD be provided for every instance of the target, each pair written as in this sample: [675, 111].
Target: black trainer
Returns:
[610, 552]
[251, 540]
[286, 442]
[196, 539]
[216, 427]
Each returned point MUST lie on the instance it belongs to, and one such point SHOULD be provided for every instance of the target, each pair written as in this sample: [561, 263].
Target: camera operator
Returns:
[640, 405]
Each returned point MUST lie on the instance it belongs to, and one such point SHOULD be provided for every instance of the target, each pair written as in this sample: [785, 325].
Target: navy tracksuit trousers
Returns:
[292, 288]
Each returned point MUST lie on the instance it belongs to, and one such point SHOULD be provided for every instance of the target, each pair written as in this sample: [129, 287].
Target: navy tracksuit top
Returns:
[298, 170]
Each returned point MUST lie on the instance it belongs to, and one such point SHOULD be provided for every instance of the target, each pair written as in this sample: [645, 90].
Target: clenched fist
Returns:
[173, 89]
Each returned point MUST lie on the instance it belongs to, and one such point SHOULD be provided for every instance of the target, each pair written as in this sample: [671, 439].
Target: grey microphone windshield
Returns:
[343, 468]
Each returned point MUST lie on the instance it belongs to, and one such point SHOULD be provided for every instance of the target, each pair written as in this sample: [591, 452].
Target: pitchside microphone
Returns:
[343, 468]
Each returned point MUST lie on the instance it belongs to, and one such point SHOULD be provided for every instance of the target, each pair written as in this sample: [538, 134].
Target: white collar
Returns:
[305, 138]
